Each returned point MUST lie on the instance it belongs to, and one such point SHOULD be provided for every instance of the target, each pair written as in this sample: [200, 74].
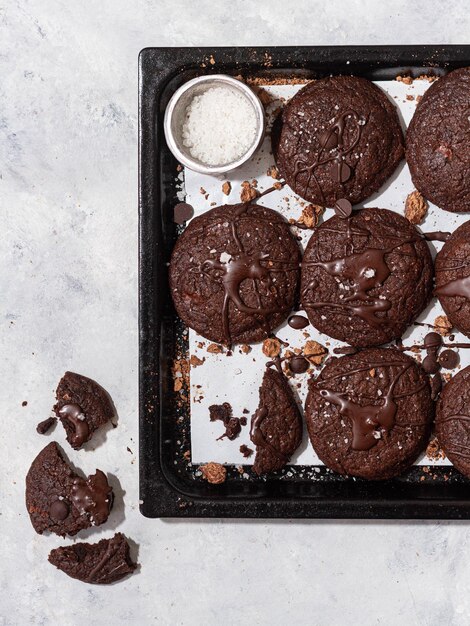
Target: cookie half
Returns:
[340, 138]
[369, 414]
[366, 278]
[453, 421]
[438, 142]
[60, 501]
[82, 406]
[234, 273]
[452, 269]
[276, 427]
[99, 563]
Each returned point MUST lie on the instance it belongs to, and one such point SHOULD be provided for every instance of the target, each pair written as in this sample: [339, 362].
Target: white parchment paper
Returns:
[236, 378]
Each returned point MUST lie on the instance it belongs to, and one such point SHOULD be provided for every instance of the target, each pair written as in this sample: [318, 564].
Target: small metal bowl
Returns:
[176, 112]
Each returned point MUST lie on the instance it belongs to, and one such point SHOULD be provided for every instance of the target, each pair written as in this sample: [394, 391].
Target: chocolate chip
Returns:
[343, 208]
[449, 359]
[182, 213]
[297, 322]
[59, 510]
[431, 365]
[432, 340]
[340, 172]
[298, 364]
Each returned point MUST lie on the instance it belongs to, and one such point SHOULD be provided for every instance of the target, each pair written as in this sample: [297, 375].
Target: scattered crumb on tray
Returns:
[196, 361]
[434, 451]
[215, 348]
[416, 207]
[246, 451]
[314, 352]
[214, 473]
[443, 325]
[226, 188]
[271, 347]
[249, 191]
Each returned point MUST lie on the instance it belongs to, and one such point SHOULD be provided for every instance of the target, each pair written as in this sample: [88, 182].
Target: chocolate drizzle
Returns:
[93, 497]
[364, 271]
[256, 267]
[333, 149]
[370, 422]
[73, 414]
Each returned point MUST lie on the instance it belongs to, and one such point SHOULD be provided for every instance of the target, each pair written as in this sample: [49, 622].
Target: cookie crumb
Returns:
[311, 215]
[314, 352]
[248, 191]
[246, 451]
[226, 188]
[409, 96]
[245, 348]
[418, 99]
[273, 172]
[416, 207]
[214, 473]
[443, 325]
[278, 186]
[24, 403]
[215, 348]
[271, 347]
[434, 450]
[407, 80]
[372, 373]
[195, 361]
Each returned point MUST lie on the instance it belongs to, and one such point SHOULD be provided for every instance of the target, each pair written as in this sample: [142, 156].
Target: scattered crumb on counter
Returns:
[226, 188]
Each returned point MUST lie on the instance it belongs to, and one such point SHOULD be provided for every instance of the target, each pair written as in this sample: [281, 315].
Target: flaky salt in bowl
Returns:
[214, 124]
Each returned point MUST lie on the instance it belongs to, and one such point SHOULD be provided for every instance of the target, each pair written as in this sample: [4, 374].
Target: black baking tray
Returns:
[169, 485]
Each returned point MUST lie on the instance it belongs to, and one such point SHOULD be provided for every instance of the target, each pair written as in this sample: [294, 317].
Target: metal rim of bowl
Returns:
[184, 158]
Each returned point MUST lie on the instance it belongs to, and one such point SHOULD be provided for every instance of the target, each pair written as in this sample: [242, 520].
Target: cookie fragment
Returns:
[82, 406]
[276, 427]
[96, 563]
[60, 501]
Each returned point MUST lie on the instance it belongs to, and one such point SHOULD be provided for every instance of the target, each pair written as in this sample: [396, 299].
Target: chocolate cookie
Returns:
[60, 501]
[276, 427]
[340, 138]
[453, 421]
[369, 414]
[365, 278]
[453, 278]
[438, 142]
[96, 563]
[234, 273]
[82, 407]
